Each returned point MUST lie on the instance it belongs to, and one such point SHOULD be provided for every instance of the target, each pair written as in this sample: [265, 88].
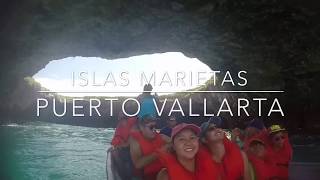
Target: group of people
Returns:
[189, 152]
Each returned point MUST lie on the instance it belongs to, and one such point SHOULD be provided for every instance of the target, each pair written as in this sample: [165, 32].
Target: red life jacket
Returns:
[174, 169]
[177, 171]
[208, 165]
[262, 135]
[232, 165]
[280, 158]
[121, 135]
[147, 147]
[264, 170]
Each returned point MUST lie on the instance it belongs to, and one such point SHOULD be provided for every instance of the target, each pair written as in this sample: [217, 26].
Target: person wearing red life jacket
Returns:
[120, 151]
[226, 156]
[254, 127]
[279, 150]
[263, 167]
[143, 146]
[122, 131]
[184, 162]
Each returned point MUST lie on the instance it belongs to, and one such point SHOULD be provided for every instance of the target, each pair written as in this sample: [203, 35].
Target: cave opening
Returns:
[79, 76]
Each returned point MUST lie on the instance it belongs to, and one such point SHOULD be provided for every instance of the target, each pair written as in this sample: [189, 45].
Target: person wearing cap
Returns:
[255, 129]
[279, 149]
[183, 162]
[262, 166]
[143, 146]
[226, 156]
[171, 122]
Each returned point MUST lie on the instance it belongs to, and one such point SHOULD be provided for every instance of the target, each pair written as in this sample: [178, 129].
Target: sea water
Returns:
[40, 150]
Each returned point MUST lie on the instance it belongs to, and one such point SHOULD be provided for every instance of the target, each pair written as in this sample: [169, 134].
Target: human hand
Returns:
[236, 132]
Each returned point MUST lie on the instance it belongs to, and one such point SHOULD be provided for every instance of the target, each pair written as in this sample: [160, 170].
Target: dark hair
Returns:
[256, 142]
[147, 87]
[172, 117]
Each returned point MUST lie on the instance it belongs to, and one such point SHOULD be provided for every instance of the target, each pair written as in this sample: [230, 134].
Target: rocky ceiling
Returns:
[276, 41]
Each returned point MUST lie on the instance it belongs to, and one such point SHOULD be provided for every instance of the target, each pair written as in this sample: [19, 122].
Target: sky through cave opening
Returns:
[94, 76]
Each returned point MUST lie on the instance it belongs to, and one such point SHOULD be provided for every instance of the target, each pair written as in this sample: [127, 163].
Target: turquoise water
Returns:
[50, 151]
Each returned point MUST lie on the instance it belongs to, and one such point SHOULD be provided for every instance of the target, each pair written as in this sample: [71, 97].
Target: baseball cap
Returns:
[256, 123]
[215, 121]
[178, 128]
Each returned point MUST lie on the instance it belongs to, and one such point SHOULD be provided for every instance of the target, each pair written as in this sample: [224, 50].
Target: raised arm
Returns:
[246, 174]
[139, 161]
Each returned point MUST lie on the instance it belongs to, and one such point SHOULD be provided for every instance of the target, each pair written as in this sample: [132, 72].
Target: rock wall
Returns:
[276, 41]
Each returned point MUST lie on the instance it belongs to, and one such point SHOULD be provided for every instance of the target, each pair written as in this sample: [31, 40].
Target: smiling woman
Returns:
[85, 76]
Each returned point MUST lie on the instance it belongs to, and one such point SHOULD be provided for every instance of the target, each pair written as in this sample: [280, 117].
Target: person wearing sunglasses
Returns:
[279, 149]
[143, 146]
[226, 156]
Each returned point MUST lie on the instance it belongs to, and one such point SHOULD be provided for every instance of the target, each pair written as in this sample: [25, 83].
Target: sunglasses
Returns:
[279, 138]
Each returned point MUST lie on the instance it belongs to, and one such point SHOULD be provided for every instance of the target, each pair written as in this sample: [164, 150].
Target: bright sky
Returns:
[85, 76]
